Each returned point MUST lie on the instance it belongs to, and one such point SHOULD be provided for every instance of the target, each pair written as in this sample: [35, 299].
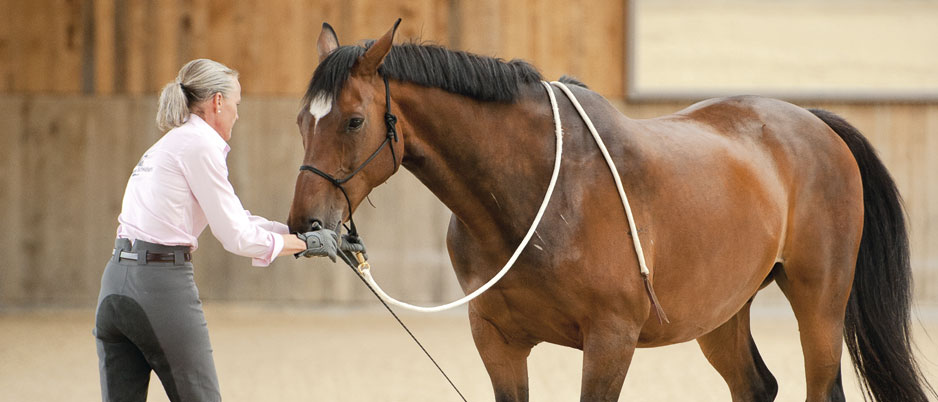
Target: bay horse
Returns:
[729, 195]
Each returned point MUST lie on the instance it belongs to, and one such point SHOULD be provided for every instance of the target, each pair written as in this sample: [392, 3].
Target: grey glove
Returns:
[319, 243]
[353, 244]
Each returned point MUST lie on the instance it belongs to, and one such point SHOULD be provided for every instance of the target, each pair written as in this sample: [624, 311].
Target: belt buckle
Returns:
[179, 257]
[125, 255]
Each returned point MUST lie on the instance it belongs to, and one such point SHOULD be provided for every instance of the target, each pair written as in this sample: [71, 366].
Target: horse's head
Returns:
[350, 146]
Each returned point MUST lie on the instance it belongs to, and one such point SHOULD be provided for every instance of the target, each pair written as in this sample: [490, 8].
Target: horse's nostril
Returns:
[315, 224]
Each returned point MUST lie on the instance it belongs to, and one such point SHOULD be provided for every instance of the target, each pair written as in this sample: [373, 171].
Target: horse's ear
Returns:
[328, 41]
[369, 62]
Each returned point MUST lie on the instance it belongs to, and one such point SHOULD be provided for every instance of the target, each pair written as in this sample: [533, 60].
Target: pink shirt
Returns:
[180, 185]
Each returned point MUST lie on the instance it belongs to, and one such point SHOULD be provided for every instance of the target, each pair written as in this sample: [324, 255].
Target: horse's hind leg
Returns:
[732, 352]
[818, 295]
[505, 361]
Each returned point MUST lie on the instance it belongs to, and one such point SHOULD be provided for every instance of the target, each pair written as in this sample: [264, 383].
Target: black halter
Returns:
[390, 120]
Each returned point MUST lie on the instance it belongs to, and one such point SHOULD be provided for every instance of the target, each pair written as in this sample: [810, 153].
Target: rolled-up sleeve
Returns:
[239, 232]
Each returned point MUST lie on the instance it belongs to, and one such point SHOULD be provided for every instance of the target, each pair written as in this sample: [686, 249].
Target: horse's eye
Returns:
[355, 123]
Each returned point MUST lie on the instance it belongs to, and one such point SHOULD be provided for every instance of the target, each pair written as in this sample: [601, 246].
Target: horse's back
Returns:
[787, 139]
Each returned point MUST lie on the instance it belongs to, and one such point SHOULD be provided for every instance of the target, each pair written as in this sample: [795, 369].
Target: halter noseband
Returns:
[390, 120]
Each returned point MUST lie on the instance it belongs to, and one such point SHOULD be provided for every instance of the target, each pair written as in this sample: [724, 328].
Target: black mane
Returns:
[478, 77]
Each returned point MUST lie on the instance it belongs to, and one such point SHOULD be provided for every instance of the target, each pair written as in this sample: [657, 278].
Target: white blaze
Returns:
[319, 107]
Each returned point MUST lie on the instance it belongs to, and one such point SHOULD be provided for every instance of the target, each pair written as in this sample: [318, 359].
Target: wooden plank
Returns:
[266, 62]
[122, 45]
[435, 15]
[104, 47]
[12, 113]
[194, 31]
[602, 55]
[906, 129]
[544, 31]
[908, 134]
[222, 25]
[518, 28]
[371, 19]
[55, 211]
[31, 238]
[925, 257]
[554, 32]
[285, 69]
[137, 52]
[77, 215]
[65, 41]
[568, 48]
[31, 46]
[480, 26]
[8, 50]
[106, 132]
[164, 57]
[628, 48]
[305, 42]
[87, 47]
[253, 45]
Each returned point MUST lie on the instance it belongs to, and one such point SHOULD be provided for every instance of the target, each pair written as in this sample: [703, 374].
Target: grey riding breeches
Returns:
[149, 317]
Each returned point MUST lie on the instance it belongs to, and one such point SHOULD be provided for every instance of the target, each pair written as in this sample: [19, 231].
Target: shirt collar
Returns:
[206, 130]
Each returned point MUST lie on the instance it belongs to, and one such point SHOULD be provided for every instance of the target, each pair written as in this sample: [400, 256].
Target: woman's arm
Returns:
[291, 245]
[204, 166]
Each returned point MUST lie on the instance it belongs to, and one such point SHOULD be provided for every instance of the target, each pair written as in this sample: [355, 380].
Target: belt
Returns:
[153, 257]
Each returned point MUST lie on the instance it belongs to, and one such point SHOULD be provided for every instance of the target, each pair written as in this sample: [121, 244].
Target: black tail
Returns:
[877, 325]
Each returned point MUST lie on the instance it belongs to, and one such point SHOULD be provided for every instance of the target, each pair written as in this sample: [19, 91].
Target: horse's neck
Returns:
[488, 162]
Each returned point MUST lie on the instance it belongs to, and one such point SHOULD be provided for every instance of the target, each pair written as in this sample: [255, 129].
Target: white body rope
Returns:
[365, 269]
[615, 176]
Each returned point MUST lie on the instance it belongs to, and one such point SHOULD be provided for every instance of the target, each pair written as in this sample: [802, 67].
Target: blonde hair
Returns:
[198, 80]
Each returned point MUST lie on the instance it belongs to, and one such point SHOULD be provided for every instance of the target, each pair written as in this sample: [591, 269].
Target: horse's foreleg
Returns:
[607, 353]
[505, 361]
[732, 352]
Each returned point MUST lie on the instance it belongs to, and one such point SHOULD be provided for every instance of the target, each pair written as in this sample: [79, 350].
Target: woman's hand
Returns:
[321, 243]
[352, 245]
[292, 245]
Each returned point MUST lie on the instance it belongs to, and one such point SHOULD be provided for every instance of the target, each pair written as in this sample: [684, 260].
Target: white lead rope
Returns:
[365, 269]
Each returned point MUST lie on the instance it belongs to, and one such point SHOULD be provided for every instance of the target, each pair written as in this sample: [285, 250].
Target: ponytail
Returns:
[174, 110]
[197, 81]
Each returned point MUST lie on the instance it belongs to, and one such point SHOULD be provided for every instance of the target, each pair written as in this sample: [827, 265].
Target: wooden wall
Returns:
[77, 101]
[105, 47]
[77, 86]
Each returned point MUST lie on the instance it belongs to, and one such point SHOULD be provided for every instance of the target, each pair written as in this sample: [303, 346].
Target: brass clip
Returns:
[363, 264]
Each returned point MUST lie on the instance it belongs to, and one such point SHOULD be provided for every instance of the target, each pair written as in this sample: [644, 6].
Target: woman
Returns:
[149, 315]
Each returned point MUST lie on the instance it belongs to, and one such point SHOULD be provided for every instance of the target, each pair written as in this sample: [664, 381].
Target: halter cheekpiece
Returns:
[390, 120]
